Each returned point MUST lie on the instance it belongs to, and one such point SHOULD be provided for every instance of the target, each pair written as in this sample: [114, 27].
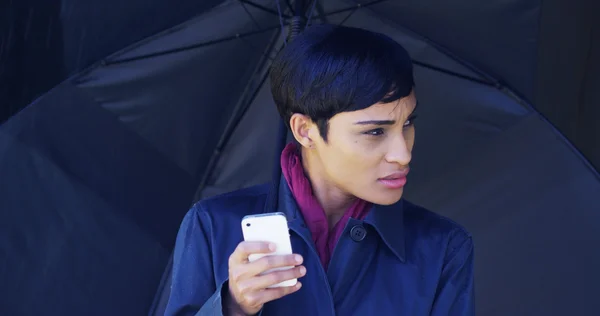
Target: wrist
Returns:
[230, 306]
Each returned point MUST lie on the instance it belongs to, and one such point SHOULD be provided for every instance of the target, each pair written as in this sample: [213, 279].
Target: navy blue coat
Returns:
[401, 260]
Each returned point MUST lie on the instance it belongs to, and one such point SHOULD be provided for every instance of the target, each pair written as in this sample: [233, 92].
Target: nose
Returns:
[399, 152]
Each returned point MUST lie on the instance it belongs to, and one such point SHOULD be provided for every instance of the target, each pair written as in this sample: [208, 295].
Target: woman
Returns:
[348, 98]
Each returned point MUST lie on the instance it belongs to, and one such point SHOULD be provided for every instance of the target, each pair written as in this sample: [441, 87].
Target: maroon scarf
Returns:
[313, 213]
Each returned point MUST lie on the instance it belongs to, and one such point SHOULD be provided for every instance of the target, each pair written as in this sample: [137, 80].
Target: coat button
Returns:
[358, 233]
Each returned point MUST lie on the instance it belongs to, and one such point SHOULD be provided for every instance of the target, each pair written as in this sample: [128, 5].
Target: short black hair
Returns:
[330, 69]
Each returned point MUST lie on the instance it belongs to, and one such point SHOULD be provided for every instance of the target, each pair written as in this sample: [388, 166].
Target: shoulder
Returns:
[235, 200]
[212, 226]
[433, 227]
[229, 208]
[208, 234]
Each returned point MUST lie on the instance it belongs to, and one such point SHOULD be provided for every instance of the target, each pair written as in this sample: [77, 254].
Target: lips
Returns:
[395, 180]
[396, 175]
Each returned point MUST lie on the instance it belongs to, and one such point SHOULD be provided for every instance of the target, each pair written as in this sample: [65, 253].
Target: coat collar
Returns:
[387, 220]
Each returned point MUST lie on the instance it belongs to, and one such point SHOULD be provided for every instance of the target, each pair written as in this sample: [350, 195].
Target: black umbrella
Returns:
[97, 173]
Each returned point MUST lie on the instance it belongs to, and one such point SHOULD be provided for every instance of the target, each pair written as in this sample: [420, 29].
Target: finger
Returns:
[271, 262]
[261, 297]
[276, 277]
[246, 248]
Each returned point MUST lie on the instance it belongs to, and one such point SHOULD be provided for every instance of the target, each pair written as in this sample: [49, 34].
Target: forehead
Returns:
[395, 110]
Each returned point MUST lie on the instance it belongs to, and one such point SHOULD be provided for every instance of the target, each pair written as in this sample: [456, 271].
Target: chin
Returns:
[386, 198]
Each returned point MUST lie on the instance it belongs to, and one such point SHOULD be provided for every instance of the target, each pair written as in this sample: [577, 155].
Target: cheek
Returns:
[351, 162]
[409, 138]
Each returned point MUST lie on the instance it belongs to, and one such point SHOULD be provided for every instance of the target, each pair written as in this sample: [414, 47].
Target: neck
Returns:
[334, 201]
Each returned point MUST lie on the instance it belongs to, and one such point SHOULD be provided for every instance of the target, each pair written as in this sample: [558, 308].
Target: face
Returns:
[367, 152]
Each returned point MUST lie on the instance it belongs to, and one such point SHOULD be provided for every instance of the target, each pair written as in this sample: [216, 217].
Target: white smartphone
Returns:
[269, 227]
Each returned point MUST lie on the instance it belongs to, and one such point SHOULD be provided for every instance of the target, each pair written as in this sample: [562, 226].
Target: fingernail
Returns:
[302, 270]
[272, 247]
[298, 258]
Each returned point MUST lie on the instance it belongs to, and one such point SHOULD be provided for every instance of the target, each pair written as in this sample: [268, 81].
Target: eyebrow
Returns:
[376, 122]
[385, 122]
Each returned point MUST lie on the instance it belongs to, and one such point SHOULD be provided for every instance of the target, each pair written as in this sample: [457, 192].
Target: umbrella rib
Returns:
[289, 5]
[227, 135]
[455, 74]
[250, 15]
[229, 38]
[322, 16]
[310, 13]
[239, 113]
[190, 47]
[354, 7]
[348, 16]
[258, 6]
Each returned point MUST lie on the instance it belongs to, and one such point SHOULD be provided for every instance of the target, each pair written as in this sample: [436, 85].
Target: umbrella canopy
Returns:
[97, 173]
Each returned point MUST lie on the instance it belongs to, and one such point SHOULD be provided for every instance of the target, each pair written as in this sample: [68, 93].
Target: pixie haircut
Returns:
[330, 69]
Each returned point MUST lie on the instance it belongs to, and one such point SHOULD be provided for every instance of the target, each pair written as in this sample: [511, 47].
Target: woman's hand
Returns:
[248, 288]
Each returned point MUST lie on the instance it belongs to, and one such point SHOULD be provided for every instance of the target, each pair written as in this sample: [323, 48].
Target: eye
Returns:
[410, 121]
[375, 132]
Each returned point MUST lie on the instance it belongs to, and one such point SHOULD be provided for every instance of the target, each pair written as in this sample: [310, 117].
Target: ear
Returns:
[303, 129]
